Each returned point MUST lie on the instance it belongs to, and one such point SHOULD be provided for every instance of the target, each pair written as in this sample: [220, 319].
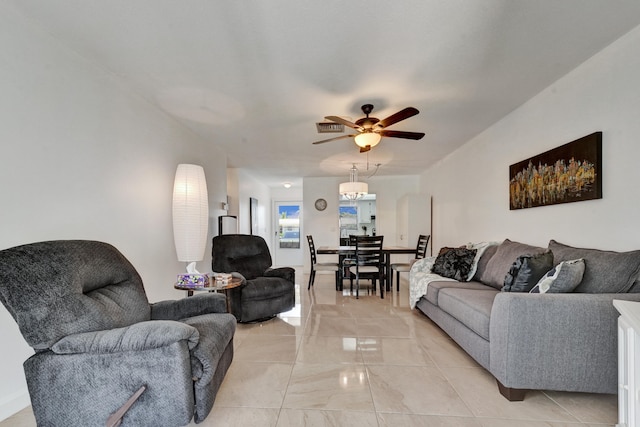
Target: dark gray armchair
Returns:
[266, 291]
[82, 307]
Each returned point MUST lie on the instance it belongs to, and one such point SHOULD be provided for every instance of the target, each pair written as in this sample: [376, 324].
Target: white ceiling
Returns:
[254, 76]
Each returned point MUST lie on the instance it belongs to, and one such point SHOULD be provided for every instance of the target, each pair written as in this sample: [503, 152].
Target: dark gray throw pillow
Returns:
[564, 277]
[454, 263]
[605, 271]
[526, 271]
[438, 264]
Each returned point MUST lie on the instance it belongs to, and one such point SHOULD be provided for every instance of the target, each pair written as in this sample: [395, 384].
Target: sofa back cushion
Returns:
[605, 271]
[486, 256]
[500, 263]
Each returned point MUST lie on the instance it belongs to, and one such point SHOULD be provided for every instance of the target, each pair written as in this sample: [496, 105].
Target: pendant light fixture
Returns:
[353, 190]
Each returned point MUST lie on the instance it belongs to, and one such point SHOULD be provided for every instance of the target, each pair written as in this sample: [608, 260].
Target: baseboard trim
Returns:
[14, 403]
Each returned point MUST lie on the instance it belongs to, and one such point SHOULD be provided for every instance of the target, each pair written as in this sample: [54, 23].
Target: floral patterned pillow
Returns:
[454, 263]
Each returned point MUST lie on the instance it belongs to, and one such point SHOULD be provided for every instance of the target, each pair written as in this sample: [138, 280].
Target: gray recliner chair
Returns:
[266, 291]
[83, 309]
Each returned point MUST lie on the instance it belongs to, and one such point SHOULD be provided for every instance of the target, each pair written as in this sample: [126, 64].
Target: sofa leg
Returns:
[511, 394]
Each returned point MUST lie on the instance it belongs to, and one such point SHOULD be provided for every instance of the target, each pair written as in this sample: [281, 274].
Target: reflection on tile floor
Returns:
[338, 361]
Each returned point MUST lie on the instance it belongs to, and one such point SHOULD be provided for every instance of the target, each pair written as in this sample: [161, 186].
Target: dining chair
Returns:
[347, 261]
[369, 262]
[405, 267]
[320, 266]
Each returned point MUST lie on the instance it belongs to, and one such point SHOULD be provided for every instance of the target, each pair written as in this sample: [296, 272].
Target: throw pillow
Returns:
[564, 277]
[526, 271]
[454, 263]
[500, 263]
[438, 264]
[605, 271]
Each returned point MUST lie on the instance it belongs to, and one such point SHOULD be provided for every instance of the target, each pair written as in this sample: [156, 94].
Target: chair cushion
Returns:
[326, 266]
[265, 288]
[403, 267]
[367, 269]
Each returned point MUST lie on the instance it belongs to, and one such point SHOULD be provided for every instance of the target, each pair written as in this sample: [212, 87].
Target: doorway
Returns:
[288, 243]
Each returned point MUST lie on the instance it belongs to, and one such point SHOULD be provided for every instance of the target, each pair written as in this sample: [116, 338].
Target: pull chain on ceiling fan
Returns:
[371, 130]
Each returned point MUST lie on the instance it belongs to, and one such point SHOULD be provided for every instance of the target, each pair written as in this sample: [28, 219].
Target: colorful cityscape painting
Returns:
[569, 173]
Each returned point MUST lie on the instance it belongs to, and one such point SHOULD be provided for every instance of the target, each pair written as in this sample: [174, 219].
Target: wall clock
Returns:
[321, 204]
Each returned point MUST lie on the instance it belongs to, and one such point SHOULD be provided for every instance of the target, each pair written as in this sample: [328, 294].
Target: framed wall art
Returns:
[569, 173]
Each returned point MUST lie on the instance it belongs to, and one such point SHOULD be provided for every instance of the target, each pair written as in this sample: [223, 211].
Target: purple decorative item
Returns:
[193, 280]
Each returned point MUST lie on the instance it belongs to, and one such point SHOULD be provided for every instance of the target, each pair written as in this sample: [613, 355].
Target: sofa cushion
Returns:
[564, 277]
[480, 250]
[484, 259]
[472, 307]
[605, 271]
[434, 288]
[454, 263]
[500, 263]
[526, 271]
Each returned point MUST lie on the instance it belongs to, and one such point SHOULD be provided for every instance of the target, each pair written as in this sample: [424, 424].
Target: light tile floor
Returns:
[338, 361]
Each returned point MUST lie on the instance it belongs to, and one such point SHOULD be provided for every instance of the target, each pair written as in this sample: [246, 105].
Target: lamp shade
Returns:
[190, 212]
[353, 189]
[365, 139]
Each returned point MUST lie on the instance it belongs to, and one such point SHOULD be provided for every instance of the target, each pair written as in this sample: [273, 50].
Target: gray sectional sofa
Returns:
[564, 340]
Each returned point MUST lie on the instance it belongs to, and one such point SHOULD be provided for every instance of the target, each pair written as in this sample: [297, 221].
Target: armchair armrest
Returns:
[137, 337]
[555, 341]
[286, 273]
[203, 303]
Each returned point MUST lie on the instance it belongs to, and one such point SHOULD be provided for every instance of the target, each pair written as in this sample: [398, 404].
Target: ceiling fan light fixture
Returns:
[365, 139]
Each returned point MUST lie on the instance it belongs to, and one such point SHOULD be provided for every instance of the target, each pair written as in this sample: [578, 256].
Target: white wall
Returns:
[82, 157]
[241, 187]
[323, 225]
[470, 187]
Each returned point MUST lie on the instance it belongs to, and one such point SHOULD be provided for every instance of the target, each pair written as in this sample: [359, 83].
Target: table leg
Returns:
[341, 271]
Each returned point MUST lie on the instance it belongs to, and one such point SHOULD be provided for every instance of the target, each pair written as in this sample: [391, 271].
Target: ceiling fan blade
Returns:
[365, 149]
[344, 122]
[399, 116]
[333, 139]
[401, 134]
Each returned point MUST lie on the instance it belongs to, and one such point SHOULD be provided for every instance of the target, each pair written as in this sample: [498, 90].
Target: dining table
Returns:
[344, 251]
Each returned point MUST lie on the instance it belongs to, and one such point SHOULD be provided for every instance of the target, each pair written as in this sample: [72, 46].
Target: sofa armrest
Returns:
[286, 273]
[555, 341]
[202, 303]
[137, 337]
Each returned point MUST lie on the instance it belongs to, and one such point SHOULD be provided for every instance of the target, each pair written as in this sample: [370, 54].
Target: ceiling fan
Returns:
[371, 130]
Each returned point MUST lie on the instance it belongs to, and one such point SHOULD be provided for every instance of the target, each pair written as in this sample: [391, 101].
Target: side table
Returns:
[234, 282]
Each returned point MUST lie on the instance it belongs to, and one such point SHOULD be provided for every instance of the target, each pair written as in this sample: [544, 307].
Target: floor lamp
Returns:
[190, 221]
